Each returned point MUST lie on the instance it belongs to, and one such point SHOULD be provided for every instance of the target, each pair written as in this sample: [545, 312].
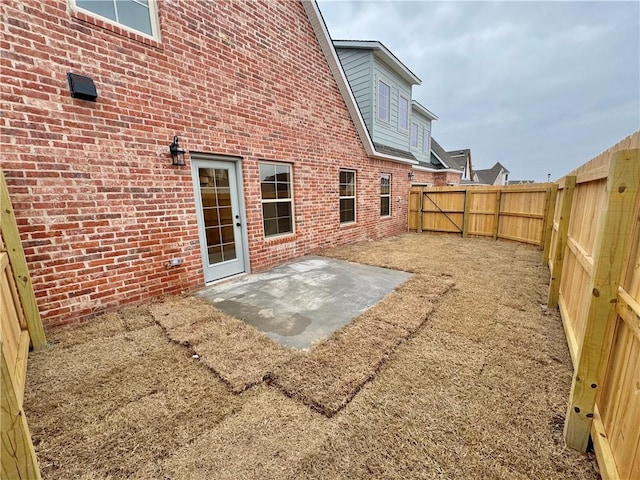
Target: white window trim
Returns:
[153, 13]
[278, 200]
[355, 193]
[415, 138]
[426, 140]
[400, 99]
[383, 195]
[388, 119]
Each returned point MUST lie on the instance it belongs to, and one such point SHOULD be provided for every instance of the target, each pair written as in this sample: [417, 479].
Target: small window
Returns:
[347, 196]
[137, 15]
[385, 195]
[277, 199]
[414, 135]
[403, 113]
[384, 98]
[427, 140]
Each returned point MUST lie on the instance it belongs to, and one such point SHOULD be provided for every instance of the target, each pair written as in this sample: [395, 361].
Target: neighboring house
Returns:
[439, 170]
[279, 162]
[382, 88]
[496, 175]
[462, 158]
[520, 182]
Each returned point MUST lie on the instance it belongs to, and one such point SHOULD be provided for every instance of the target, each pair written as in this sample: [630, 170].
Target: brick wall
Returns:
[99, 206]
[424, 177]
[438, 179]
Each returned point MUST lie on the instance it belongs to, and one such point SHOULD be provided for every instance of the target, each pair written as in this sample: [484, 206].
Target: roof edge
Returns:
[424, 110]
[386, 54]
[439, 159]
[437, 170]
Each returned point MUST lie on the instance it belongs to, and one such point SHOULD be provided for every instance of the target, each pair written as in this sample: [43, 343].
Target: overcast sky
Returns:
[541, 87]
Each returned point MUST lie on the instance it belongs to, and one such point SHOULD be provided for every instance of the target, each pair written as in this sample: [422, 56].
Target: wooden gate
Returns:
[517, 212]
[443, 211]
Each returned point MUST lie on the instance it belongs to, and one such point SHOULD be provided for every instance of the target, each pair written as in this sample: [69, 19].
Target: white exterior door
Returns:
[219, 217]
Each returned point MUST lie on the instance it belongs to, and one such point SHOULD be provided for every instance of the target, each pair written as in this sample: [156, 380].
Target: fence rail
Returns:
[20, 325]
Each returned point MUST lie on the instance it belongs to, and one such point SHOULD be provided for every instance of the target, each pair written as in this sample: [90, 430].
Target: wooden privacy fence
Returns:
[515, 212]
[595, 280]
[589, 227]
[20, 325]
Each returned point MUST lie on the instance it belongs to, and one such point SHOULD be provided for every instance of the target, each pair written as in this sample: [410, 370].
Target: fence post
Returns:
[547, 231]
[496, 224]
[18, 458]
[561, 241]
[467, 212]
[611, 247]
[419, 227]
[15, 251]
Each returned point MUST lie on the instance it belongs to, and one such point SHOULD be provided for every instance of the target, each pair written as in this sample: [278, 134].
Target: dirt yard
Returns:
[459, 373]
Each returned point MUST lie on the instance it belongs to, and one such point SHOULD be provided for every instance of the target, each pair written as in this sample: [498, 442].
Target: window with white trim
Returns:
[140, 16]
[385, 195]
[403, 113]
[277, 198]
[414, 135]
[384, 101]
[427, 140]
[347, 196]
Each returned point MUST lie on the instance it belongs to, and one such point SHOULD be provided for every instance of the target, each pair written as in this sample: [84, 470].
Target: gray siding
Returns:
[388, 133]
[423, 123]
[358, 67]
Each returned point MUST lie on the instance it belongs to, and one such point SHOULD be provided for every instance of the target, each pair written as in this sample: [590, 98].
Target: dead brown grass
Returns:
[238, 353]
[329, 376]
[471, 384]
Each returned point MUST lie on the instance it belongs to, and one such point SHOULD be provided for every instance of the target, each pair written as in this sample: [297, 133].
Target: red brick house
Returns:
[277, 162]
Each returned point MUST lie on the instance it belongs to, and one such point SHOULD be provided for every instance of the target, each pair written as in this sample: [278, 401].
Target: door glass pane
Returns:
[227, 234]
[215, 254]
[215, 193]
[210, 217]
[229, 251]
[213, 236]
[225, 216]
[222, 177]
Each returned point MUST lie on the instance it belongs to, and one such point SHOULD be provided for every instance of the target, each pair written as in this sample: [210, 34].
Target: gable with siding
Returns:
[358, 67]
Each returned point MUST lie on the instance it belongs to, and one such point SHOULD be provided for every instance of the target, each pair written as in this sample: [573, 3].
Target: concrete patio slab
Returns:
[303, 302]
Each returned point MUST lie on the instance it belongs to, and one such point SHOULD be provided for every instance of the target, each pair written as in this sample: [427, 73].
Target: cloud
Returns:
[534, 85]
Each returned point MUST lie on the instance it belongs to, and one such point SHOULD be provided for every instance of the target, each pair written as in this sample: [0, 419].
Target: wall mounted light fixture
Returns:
[410, 175]
[177, 152]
